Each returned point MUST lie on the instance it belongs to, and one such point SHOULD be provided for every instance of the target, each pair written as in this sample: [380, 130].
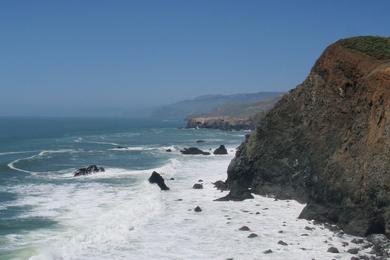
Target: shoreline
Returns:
[175, 231]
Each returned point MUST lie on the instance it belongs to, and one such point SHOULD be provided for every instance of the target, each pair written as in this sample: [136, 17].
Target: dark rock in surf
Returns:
[197, 186]
[168, 150]
[353, 251]
[220, 150]
[197, 209]
[88, 170]
[200, 141]
[333, 250]
[244, 228]
[159, 180]
[281, 242]
[193, 150]
[252, 235]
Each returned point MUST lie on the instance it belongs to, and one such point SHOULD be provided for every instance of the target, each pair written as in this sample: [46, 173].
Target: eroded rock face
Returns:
[327, 142]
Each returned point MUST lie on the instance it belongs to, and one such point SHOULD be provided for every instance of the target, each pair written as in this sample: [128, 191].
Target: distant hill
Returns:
[208, 103]
[234, 116]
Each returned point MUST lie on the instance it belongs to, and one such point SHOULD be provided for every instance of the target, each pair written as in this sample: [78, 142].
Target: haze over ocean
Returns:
[103, 58]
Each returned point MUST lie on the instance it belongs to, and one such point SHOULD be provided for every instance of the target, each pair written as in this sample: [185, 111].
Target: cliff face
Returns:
[327, 142]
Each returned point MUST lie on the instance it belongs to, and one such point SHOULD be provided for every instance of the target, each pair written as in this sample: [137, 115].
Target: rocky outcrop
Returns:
[194, 151]
[88, 170]
[156, 178]
[220, 122]
[220, 150]
[327, 142]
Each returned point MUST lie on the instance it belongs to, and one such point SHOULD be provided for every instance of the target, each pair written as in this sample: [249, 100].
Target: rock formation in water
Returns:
[220, 150]
[88, 170]
[327, 142]
[193, 150]
[156, 178]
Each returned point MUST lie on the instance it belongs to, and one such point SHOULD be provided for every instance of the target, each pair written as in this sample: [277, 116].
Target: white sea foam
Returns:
[17, 152]
[138, 221]
[12, 165]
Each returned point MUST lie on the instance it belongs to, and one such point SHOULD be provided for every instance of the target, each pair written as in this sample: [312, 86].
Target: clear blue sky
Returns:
[110, 57]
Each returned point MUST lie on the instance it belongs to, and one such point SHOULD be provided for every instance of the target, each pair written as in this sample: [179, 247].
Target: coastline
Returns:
[170, 229]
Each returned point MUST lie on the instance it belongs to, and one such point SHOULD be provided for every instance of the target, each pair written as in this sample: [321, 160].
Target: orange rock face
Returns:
[327, 143]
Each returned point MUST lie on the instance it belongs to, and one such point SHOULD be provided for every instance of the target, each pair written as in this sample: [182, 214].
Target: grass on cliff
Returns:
[375, 46]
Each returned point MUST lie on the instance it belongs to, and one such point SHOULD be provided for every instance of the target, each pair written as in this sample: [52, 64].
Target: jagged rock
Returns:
[333, 250]
[88, 170]
[252, 235]
[159, 180]
[327, 142]
[168, 150]
[282, 243]
[197, 186]
[381, 244]
[353, 251]
[357, 241]
[197, 209]
[244, 228]
[220, 150]
[220, 185]
[194, 150]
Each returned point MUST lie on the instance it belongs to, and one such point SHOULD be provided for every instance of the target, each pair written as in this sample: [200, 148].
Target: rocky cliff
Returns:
[327, 142]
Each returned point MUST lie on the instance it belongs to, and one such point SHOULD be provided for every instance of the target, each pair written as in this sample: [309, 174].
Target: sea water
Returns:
[46, 213]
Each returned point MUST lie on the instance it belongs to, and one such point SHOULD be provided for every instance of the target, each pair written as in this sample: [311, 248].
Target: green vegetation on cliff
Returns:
[375, 46]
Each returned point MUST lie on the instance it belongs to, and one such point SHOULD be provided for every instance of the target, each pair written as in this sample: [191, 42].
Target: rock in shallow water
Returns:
[193, 150]
[197, 186]
[252, 235]
[333, 250]
[197, 209]
[88, 170]
[244, 228]
[156, 178]
[220, 150]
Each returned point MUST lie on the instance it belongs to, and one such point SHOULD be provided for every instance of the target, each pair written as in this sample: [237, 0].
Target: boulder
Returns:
[197, 209]
[197, 186]
[156, 178]
[200, 141]
[252, 235]
[281, 242]
[220, 150]
[168, 150]
[333, 249]
[244, 228]
[193, 150]
[88, 170]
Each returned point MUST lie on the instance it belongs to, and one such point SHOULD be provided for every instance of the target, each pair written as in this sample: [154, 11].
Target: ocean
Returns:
[46, 213]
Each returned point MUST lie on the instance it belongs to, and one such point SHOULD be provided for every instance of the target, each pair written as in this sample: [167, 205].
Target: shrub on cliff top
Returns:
[375, 46]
